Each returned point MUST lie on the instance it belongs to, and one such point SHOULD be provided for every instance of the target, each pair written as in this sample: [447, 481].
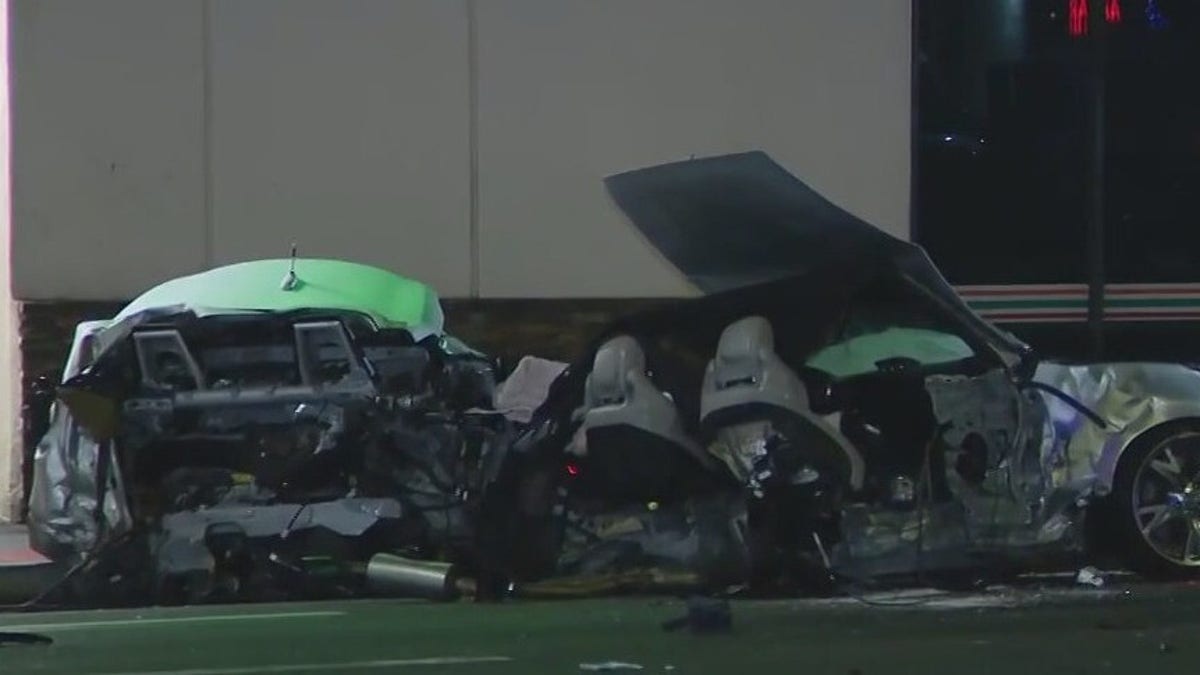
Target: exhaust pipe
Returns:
[394, 575]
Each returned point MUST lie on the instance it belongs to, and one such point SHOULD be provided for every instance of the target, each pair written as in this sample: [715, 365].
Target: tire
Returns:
[1155, 507]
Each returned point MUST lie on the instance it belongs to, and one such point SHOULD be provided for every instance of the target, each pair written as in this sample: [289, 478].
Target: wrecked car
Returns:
[832, 410]
[265, 427]
[828, 411]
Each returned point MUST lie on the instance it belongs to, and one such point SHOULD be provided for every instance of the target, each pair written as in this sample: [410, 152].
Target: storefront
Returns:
[1057, 154]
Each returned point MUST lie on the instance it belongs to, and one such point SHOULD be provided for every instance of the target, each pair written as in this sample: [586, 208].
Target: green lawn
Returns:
[1085, 634]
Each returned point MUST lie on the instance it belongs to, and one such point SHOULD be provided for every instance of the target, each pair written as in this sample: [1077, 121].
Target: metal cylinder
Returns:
[394, 575]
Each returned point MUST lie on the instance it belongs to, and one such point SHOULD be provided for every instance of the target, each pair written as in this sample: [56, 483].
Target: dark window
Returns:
[1006, 102]
[1152, 153]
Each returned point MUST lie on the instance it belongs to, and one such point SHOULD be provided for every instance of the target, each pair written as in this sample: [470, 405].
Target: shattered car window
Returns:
[875, 331]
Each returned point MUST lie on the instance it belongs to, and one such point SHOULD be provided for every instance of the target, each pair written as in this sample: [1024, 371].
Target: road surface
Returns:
[1146, 629]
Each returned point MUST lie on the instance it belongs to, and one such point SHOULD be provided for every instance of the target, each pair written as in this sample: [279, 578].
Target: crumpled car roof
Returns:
[390, 300]
[756, 240]
[748, 233]
[735, 220]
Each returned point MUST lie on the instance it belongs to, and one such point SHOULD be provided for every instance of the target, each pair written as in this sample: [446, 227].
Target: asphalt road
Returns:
[1027, 631]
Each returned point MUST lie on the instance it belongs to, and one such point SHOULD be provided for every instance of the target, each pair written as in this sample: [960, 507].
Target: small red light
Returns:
[573, 469]
[1112, 11]
[1077, 17]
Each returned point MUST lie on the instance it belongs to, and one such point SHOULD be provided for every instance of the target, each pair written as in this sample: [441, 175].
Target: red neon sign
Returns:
[1077, 17]
[1112, 11]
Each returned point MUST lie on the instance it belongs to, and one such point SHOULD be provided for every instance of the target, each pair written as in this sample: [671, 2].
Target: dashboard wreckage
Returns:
[829, 410]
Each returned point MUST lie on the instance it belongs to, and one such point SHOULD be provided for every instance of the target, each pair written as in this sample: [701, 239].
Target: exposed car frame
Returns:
[1064, 443]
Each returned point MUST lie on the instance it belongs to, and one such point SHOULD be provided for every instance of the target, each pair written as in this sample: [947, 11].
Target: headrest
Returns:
[613, 361]
[746, 338]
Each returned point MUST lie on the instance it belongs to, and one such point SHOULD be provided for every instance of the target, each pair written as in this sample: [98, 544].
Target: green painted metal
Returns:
[859, 354]
[388, 299]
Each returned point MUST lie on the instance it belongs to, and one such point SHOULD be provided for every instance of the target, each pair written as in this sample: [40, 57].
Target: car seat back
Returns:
[748, 383]
[747, 373]
[634, 433]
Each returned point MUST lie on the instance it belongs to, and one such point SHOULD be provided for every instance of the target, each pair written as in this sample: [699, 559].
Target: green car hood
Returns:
[390, 300]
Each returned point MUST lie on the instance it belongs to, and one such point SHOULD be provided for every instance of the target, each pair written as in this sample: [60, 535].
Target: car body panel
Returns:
[63, 515]
[1131, 397]
[263, 286]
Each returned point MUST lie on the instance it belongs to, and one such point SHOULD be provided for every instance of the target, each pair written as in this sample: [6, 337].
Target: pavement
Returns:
[1043, 624]
[1081, 631]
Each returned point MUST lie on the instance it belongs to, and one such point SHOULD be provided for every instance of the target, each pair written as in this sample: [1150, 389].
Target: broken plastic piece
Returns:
[606, 666]
[527, 387]
[591, 585]
[704, 615]
[1090, 576]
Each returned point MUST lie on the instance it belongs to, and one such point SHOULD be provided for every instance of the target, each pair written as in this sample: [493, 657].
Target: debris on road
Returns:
[10, 638]
[607, 666]
[704, 615]
[1090, 576]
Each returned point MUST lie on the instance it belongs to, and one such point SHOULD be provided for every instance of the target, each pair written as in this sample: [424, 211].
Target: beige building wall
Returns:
[342, 126]
[461, 142]
[159, 138]
[573, 90]
[108, 191]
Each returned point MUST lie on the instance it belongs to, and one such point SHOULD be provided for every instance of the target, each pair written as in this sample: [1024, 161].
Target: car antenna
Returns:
[290, 282]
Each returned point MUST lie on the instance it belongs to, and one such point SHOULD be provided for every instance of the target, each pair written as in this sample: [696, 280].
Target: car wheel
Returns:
[1156, 502]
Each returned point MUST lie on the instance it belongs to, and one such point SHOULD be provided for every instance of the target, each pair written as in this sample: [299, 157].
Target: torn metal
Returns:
[240, 445]
[830, 410]
[873, 424]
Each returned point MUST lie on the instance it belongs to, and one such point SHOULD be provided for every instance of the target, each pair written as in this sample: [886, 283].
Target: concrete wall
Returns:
[571, 91]
[456, 141]
[10, 360]
[180, 135]
[344, 126]
[108, 145]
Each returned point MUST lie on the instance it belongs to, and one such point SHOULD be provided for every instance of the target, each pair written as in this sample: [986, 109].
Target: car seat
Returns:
[636, 446]
[746, 382]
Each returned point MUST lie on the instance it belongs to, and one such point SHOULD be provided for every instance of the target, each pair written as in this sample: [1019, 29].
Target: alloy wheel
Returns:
[1166, 499]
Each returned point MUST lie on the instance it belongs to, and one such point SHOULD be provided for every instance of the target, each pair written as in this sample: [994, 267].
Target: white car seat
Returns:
[746, 381]
[630, 426]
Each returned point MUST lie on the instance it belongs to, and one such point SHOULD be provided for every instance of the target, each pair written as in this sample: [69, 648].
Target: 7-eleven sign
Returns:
[1077, 15]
